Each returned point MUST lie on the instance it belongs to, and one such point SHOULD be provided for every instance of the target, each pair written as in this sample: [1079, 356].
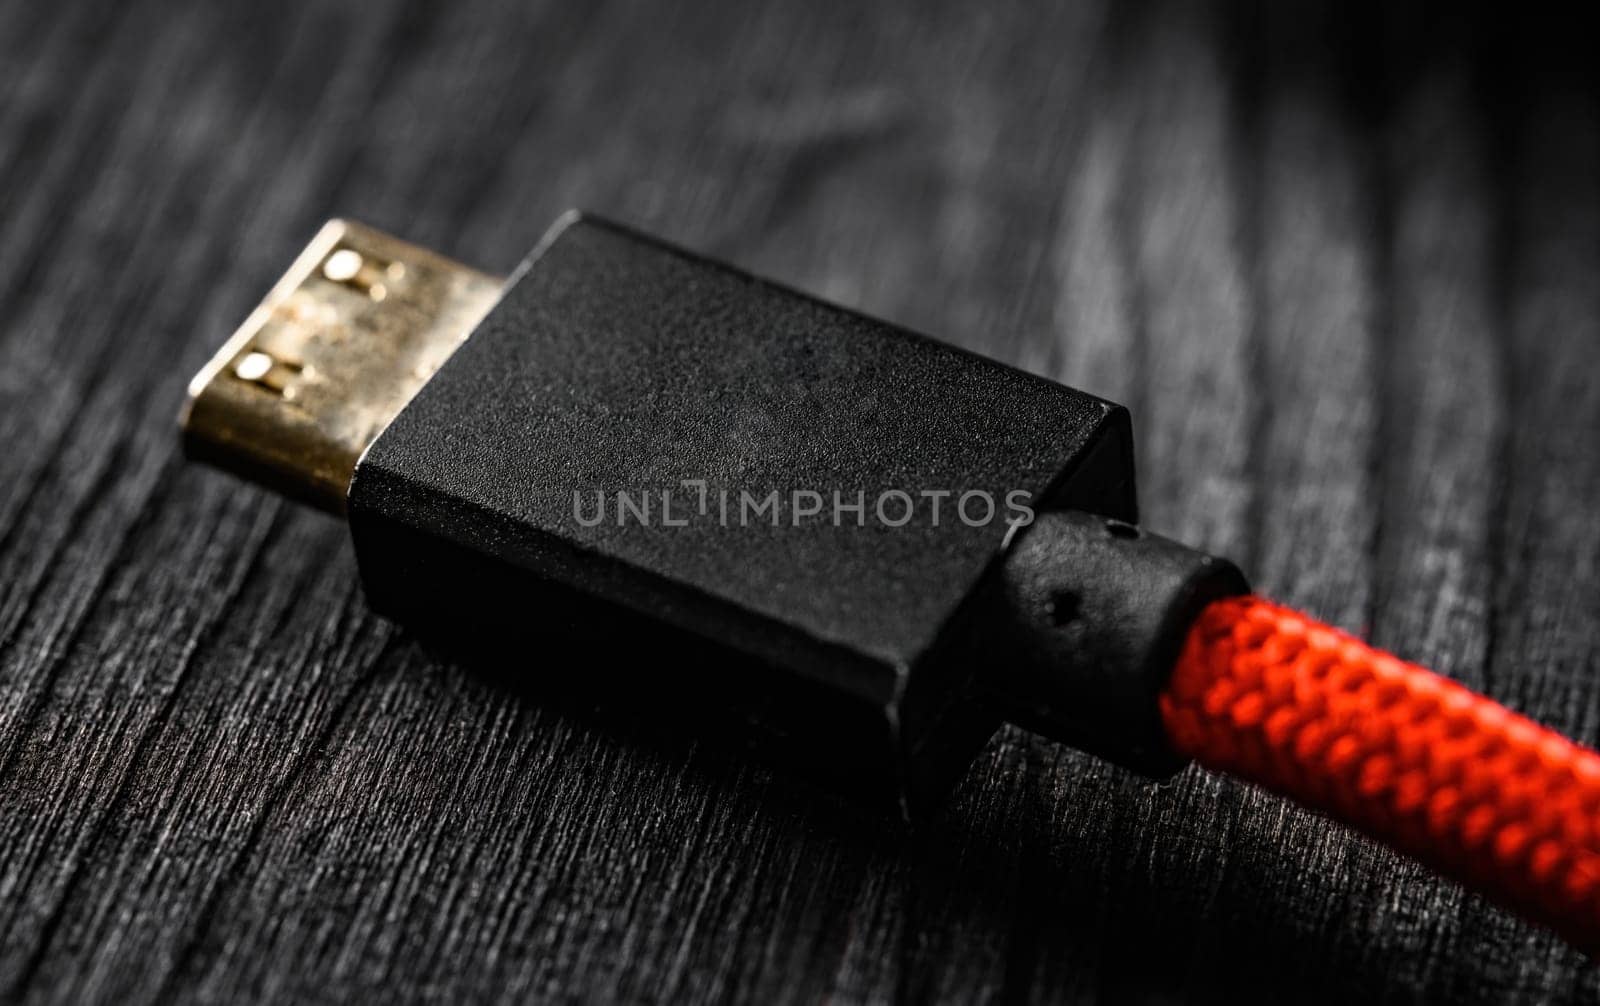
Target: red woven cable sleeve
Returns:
[1419, 762]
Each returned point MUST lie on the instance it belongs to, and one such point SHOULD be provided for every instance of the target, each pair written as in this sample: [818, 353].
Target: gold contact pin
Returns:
[344, 340]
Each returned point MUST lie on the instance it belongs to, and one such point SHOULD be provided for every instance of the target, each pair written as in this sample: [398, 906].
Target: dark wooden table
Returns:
[1344, 267]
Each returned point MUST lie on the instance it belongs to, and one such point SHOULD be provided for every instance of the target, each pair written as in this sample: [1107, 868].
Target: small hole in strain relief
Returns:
[1064, 607]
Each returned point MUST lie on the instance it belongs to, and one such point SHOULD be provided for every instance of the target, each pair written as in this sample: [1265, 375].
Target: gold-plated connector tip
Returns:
[353, 330]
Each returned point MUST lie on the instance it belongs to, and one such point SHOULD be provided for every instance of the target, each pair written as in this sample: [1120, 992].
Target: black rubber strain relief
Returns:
[1082, 630]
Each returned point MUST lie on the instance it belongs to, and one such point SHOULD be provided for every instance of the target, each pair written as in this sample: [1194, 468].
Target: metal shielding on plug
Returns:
[352, 331]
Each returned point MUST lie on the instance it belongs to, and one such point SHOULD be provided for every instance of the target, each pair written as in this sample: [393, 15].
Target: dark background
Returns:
[1343, 263]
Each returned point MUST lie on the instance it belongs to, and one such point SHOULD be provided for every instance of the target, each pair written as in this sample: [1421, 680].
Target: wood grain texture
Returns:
[1343, 262]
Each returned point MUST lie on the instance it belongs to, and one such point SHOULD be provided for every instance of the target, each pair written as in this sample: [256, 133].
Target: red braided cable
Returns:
[1419, 762]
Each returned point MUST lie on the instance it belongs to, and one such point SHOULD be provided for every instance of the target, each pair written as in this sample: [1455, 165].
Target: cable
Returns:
[470, 430]
[1438, 772]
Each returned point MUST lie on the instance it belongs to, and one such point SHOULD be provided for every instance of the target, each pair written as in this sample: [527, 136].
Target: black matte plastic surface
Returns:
[1085, 625]
[615, 363]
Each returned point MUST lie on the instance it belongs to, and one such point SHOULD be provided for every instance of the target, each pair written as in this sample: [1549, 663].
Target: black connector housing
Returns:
[614, 364]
